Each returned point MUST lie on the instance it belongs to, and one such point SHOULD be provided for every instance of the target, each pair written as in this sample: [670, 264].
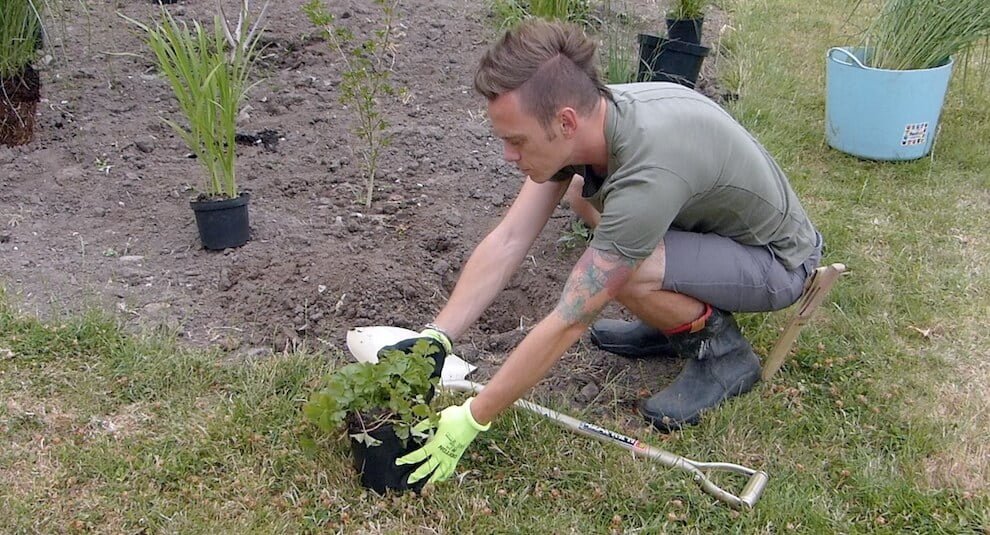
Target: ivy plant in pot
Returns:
[208, 72]
[20, 84]
[883, 98]
[379, 407]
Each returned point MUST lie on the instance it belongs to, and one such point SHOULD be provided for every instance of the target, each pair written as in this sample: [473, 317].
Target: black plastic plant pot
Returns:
[685, 30]
[376, 464]
[663, 60]
[19, 97]
[224, 223]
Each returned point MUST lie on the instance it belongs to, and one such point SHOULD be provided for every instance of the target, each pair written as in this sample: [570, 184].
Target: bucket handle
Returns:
[849, 55]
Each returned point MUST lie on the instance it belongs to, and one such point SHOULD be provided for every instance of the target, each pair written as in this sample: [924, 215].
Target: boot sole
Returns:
[634, 351]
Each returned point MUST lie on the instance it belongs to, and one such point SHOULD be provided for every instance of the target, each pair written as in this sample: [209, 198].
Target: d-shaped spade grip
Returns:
[754, 489]
[746, 499]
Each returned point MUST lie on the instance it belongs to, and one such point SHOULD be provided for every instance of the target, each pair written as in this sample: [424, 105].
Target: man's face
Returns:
[524, 140]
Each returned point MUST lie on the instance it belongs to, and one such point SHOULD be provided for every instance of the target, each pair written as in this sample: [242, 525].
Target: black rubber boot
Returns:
[630, 339]
[720, 364]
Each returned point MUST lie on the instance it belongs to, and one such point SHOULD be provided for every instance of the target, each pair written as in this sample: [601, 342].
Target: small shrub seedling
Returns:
[367, 66]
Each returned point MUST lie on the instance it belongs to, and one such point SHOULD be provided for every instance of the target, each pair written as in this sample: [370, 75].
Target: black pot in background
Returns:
[663, 60]
[685, 30]
[19, 97]
[223, 223]
[376, 464]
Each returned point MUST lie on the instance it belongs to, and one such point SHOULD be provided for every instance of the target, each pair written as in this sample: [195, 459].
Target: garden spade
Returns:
[364, 343]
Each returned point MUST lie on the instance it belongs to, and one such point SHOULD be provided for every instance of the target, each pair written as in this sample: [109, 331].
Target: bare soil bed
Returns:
[95, 211]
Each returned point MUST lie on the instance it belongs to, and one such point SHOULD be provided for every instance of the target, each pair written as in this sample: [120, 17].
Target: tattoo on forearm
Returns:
[596, 272]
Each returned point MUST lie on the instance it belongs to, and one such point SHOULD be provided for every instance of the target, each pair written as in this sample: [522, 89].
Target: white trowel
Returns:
[365, 342]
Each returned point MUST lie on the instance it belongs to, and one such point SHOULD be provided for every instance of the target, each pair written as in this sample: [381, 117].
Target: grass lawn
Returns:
[878, 423]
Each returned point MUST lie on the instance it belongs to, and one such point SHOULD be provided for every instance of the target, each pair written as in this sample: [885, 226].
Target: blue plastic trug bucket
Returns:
[881, 114]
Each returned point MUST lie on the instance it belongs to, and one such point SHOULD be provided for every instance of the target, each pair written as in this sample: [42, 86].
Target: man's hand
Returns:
[455, 431]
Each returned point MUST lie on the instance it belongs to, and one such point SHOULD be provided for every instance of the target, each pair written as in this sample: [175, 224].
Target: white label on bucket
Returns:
[915, 134]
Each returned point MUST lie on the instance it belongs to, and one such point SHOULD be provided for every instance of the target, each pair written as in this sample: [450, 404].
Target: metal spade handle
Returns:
[746, 499]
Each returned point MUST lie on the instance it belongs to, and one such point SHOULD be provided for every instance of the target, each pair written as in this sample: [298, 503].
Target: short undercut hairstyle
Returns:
[553, 65]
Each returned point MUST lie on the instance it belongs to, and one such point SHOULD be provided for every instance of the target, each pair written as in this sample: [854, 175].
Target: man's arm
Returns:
[593, 282]
[498, 256]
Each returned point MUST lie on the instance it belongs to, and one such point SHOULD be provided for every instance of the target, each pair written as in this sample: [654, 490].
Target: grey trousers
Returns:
[732, 276]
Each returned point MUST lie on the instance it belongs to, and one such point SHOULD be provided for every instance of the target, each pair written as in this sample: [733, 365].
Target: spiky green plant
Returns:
[687, 9]
[208, 72]
[20, 22]
[617, 56]
[566, 10]
[509, 13]
[921, 34]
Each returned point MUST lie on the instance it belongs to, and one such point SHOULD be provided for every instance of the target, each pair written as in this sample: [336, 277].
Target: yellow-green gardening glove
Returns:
[455, 431]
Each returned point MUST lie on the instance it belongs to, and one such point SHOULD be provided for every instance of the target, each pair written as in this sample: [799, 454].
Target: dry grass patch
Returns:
[31, 431]
[964, 400]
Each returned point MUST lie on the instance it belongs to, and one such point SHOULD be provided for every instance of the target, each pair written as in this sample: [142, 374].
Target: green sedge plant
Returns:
[565, 10]
[20, 84]
[20, 25]
[618, 58]
[362, 397]
[509, 13]
[922, 34]
[208, 72]
[687, 9]
[367, 67]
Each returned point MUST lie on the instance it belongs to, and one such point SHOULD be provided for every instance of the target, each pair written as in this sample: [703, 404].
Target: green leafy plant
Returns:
[208, 72]
[363, 397]
[922, 34]
[20, 24]
[367, 66]
[577, 235]
[687, 9]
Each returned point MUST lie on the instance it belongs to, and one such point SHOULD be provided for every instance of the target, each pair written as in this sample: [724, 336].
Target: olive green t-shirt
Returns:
[678, 160]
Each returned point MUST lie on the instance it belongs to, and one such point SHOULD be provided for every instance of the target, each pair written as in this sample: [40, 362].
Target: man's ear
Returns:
[568, 121]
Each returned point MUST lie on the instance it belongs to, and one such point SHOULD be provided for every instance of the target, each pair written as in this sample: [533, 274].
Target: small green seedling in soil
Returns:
[103, 165]
[367, 67]
[577, 235]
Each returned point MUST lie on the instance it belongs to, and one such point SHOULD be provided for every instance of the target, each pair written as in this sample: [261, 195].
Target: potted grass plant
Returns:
[208, 72]
[678, 57]
[684, 21]
[884, 97]
[20, 84]
[379, 406]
